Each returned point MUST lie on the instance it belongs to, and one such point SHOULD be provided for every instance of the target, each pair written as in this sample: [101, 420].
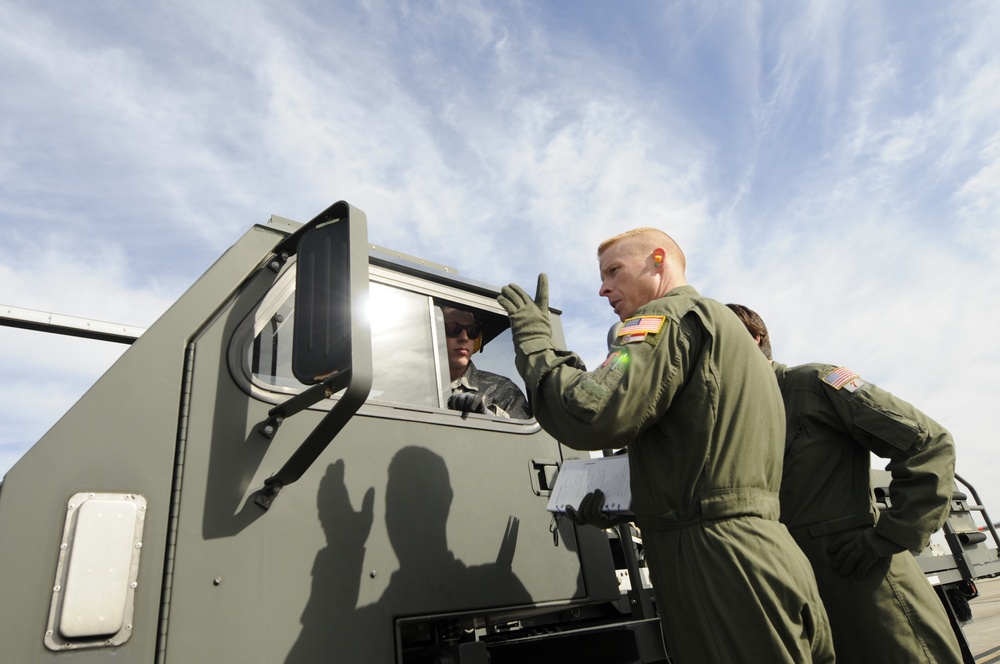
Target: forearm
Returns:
[921, 490]
[583, 410]
[921, 457]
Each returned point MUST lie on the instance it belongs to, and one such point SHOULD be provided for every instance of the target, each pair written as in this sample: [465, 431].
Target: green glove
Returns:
[855, 553]
[591, 512]
[529, 319]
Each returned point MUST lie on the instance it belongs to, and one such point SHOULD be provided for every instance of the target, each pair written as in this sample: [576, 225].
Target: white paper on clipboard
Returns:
[578, 477]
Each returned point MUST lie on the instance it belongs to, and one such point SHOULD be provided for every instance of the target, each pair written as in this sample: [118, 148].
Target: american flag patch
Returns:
[642, 325]
[839, 377]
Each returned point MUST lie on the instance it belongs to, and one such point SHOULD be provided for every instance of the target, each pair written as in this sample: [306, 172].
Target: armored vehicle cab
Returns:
[250, 482]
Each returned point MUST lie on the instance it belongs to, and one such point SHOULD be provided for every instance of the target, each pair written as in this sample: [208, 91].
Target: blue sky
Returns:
[833, 165]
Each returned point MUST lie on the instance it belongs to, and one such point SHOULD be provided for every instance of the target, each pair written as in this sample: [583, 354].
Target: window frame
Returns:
[434, 291]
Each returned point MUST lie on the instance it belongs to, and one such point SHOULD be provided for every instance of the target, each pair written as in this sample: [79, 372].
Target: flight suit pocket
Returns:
[795, 428]
[885, 425]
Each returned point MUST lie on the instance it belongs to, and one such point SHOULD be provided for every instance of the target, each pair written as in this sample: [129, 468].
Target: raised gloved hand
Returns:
[855, 553]
[591, 512]
[467, 402]
[529, 319]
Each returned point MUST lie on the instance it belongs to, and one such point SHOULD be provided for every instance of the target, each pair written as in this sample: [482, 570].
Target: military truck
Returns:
[270, 473]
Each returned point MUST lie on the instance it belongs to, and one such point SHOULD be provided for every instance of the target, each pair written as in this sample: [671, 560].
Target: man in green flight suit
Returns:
[698, 408]
[881, 607]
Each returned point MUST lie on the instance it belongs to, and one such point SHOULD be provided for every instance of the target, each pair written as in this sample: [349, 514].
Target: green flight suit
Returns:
[891, 614]
[698, 408]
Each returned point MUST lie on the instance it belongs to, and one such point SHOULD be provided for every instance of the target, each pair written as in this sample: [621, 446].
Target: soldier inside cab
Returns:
[473, 389]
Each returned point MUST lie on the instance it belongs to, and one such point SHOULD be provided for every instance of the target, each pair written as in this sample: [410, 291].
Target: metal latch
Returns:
[543, 476]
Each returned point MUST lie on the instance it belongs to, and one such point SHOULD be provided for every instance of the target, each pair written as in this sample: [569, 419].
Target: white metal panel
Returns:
[92, 597]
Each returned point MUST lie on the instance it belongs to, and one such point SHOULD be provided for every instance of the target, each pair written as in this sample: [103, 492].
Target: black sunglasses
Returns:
[454, 330]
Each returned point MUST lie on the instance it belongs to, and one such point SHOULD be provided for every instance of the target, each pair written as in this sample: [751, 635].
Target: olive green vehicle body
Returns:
[316, 575]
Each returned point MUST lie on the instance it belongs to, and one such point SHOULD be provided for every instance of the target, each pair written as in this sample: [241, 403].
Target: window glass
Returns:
[271, 351]
[411, 355]
[405, 354]
[479, 352]
[405, 363]
[498, 356]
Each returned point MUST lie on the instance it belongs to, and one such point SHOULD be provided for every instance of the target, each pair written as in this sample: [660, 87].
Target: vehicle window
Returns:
[484, 379]
[413, 356]
[406, 356]
[271, 351]
[498, 357]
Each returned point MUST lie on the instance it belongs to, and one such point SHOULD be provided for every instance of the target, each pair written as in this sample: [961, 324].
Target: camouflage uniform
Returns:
[695, 402]
[501, 396]
[834, 421]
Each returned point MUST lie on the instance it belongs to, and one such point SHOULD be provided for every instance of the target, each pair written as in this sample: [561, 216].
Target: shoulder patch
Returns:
[843, 377]
[641, 325]
[617, 358]
[855, 384]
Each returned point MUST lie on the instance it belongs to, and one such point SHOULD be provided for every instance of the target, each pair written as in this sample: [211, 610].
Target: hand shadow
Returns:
[336, 574]
[430, 579]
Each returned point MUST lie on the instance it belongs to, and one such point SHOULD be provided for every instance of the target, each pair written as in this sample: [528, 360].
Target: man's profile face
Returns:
[461, 346]
[628, 278]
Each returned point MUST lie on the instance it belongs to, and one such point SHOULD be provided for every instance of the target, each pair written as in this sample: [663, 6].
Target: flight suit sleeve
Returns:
[921, 456]
[607, 408]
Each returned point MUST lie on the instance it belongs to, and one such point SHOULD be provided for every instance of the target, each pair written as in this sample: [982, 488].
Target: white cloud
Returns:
[830, 165]
[79, 277]
[43, 376]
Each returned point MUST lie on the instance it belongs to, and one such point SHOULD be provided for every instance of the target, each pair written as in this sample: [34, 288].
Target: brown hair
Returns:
[755, 326]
